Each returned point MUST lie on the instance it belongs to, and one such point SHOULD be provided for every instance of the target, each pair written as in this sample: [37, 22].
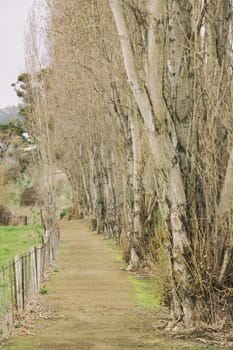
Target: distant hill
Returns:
[9, 113]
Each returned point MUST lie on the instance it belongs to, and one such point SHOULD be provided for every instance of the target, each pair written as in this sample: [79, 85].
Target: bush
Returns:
[29, 197]
[5, 216]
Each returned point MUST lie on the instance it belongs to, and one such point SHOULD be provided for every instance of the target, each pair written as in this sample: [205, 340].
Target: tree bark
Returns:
[149, 99]
[136, 233]
[98, 180]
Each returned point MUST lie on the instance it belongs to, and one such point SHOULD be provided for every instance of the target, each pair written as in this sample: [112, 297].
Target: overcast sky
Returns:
[13, 19]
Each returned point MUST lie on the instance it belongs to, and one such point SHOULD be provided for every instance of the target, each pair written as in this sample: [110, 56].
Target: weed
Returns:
[63, 213]
[43, 290]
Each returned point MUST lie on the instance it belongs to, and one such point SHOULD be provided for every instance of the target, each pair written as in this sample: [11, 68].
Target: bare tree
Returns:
[169, 82]
[136, 107]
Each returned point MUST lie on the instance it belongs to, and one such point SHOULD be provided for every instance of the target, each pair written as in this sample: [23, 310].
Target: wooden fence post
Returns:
[33, 272]
[47, 254]
[18, 270]
[24, 277]
[38, 266]
[42, 262]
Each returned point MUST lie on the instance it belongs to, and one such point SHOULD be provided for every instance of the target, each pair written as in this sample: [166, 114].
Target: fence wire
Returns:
[22, 278]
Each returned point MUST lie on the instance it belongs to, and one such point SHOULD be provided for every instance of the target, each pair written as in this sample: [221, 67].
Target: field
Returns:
[17, 240]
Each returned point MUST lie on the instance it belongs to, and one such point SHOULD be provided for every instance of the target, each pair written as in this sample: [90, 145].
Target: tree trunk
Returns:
[85, 180]
[149, 99]
[136, 235]
[98, 196]
[108, 191]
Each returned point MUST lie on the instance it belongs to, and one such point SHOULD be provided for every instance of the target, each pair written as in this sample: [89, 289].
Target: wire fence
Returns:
[22, 279]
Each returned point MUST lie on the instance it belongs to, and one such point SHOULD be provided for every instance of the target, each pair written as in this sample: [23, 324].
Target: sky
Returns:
[13, 19]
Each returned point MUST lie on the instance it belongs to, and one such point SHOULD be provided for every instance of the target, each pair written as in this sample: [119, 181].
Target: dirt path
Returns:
[89, 298]
[90, 301]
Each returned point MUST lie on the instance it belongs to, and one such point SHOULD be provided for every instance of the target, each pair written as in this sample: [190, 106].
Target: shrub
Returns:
[29, 197]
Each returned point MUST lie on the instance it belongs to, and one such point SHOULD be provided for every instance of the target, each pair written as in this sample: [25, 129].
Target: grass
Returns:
[17, 240]
[114, 248]
[22, 344]
[147, 293]
[163, 346]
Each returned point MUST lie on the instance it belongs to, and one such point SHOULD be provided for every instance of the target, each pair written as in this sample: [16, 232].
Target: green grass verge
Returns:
[158, 345]
[147, 293]
[114, 248]
[22, 344]
[17, 240]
